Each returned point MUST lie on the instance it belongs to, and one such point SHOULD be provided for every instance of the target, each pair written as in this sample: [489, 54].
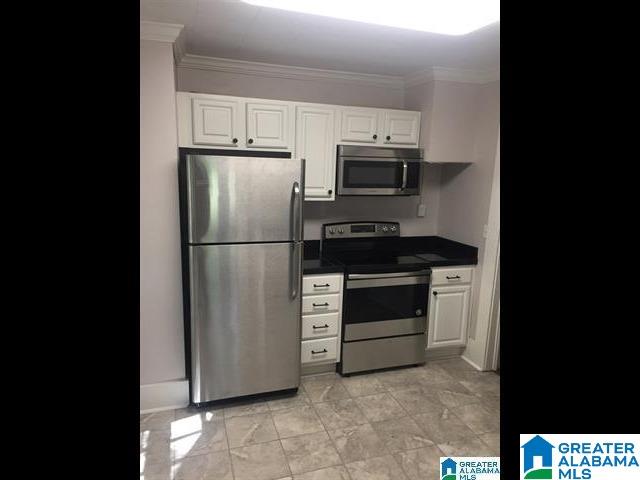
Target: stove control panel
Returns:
[360, 229]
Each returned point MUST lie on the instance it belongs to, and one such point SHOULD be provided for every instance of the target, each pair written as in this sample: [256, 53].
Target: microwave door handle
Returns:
[404, 175]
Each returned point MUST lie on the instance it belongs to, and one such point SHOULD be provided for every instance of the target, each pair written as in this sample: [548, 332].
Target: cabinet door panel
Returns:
[267, 125]
[448, 315]
[216, 122]
[401, 127]
[359, 125]
[315, 143]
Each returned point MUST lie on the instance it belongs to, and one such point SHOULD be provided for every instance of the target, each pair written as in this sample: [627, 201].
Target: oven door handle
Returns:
[363, 276]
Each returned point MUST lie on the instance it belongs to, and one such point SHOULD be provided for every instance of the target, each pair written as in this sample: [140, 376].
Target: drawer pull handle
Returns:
[324, 350]
[453, 278]
[324, 326]
[318, 286]
[320, 304]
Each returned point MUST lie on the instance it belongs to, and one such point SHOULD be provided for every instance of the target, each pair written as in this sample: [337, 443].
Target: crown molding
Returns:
[451, 75]
[285, 71]
[160, 32]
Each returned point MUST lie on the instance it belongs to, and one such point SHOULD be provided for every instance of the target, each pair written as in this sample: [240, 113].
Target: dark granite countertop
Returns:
[434, 250]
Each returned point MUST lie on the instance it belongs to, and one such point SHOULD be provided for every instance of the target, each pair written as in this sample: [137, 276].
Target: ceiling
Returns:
[236, 30]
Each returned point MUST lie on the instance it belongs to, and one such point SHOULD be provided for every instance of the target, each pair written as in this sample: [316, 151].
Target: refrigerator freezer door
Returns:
[245, 319]
[243, 199]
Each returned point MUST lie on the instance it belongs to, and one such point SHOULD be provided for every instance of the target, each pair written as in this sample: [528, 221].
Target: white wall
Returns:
[161, 327]
[317, 91]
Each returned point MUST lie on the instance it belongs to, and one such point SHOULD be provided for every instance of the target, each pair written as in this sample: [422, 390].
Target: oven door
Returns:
[385, 305]
[378, 176]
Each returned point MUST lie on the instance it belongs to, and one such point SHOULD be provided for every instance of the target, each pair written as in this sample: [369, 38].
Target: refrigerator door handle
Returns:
[297, 221]
[295, 268]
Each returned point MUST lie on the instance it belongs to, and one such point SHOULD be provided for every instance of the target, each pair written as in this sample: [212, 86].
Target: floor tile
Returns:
[380, 407]
[263, 461]
[340, 414]
[249, 429]
[466, 447]
[325, 392]
[310, 452]
[399, 379]
[214, 465]
[420, 464]
[156, 471]
[453, 394]
[358, 443]
[379, 468]
[431, 375]
[155, 446]
[492, 440]
[361, 385]
[205, 414]
[211, 437]
[483, 382]
[401, 434]
[246, 408]
[157, 421]
[417, 399]
[282, 401]
[330, 377]
[441, 425]
[296, 421]
[478, 418]
[331, 473]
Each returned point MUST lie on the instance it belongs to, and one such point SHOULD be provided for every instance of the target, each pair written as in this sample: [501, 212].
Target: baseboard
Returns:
[442, 353]
[471, 363]
[316, 369]
[156, 397]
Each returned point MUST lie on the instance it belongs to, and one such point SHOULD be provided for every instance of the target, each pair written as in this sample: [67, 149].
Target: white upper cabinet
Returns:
[217, 122]
[315, 143]
[269, 125]
[401, 127]
[359, 125]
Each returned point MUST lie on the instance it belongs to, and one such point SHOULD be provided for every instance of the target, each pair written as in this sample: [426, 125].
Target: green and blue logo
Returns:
[448, 470]
[538, 447]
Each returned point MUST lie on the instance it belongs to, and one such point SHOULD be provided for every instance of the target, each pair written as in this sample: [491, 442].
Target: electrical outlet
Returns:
[422, 210]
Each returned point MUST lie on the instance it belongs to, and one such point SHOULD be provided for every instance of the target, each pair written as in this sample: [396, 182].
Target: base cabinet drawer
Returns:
[320, 350]
[451, 276]
[317, 326]
[320, 304]
[312, 285]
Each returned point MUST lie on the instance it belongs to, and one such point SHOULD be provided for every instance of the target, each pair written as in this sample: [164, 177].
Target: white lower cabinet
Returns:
[449, 306]
[321, 319]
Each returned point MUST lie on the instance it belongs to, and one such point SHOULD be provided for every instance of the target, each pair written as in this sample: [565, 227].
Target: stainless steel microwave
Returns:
[379, 170]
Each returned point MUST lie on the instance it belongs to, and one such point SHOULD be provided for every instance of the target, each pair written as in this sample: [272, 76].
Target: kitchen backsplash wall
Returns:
[398, 209]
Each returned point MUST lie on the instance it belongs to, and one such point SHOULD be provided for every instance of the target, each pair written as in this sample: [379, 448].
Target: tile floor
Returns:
[392, 424]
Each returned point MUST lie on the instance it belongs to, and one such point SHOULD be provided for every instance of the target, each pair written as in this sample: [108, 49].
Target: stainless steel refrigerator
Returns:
[242, 231]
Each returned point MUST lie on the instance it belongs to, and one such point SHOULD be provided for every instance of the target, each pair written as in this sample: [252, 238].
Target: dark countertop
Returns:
[436, 251]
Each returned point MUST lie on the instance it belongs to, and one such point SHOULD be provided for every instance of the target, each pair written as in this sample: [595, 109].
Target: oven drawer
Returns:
[320, 350]
[451, 276]
[385, 328]
[316, 326]
[312, 285]
[382, 353]
[320, 304]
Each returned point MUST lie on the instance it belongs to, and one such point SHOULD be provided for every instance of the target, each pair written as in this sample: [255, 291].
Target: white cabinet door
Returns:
[315, 143]
[359, 125]
[448, 316]
[217, 122]
[268, 125]
[401, 127]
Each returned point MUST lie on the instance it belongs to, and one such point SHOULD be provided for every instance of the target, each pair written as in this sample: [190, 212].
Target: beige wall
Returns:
[465, 191]
[329, 91]
[161, 328]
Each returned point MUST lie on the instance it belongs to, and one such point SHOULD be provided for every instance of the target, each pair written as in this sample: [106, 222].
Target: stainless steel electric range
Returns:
[384, 314]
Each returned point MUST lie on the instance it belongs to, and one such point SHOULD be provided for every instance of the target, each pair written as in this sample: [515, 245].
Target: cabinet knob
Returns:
[388, 137]
[250, 141]
[235, 140]
[435, 293]
[375, 137]
[329, 191]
